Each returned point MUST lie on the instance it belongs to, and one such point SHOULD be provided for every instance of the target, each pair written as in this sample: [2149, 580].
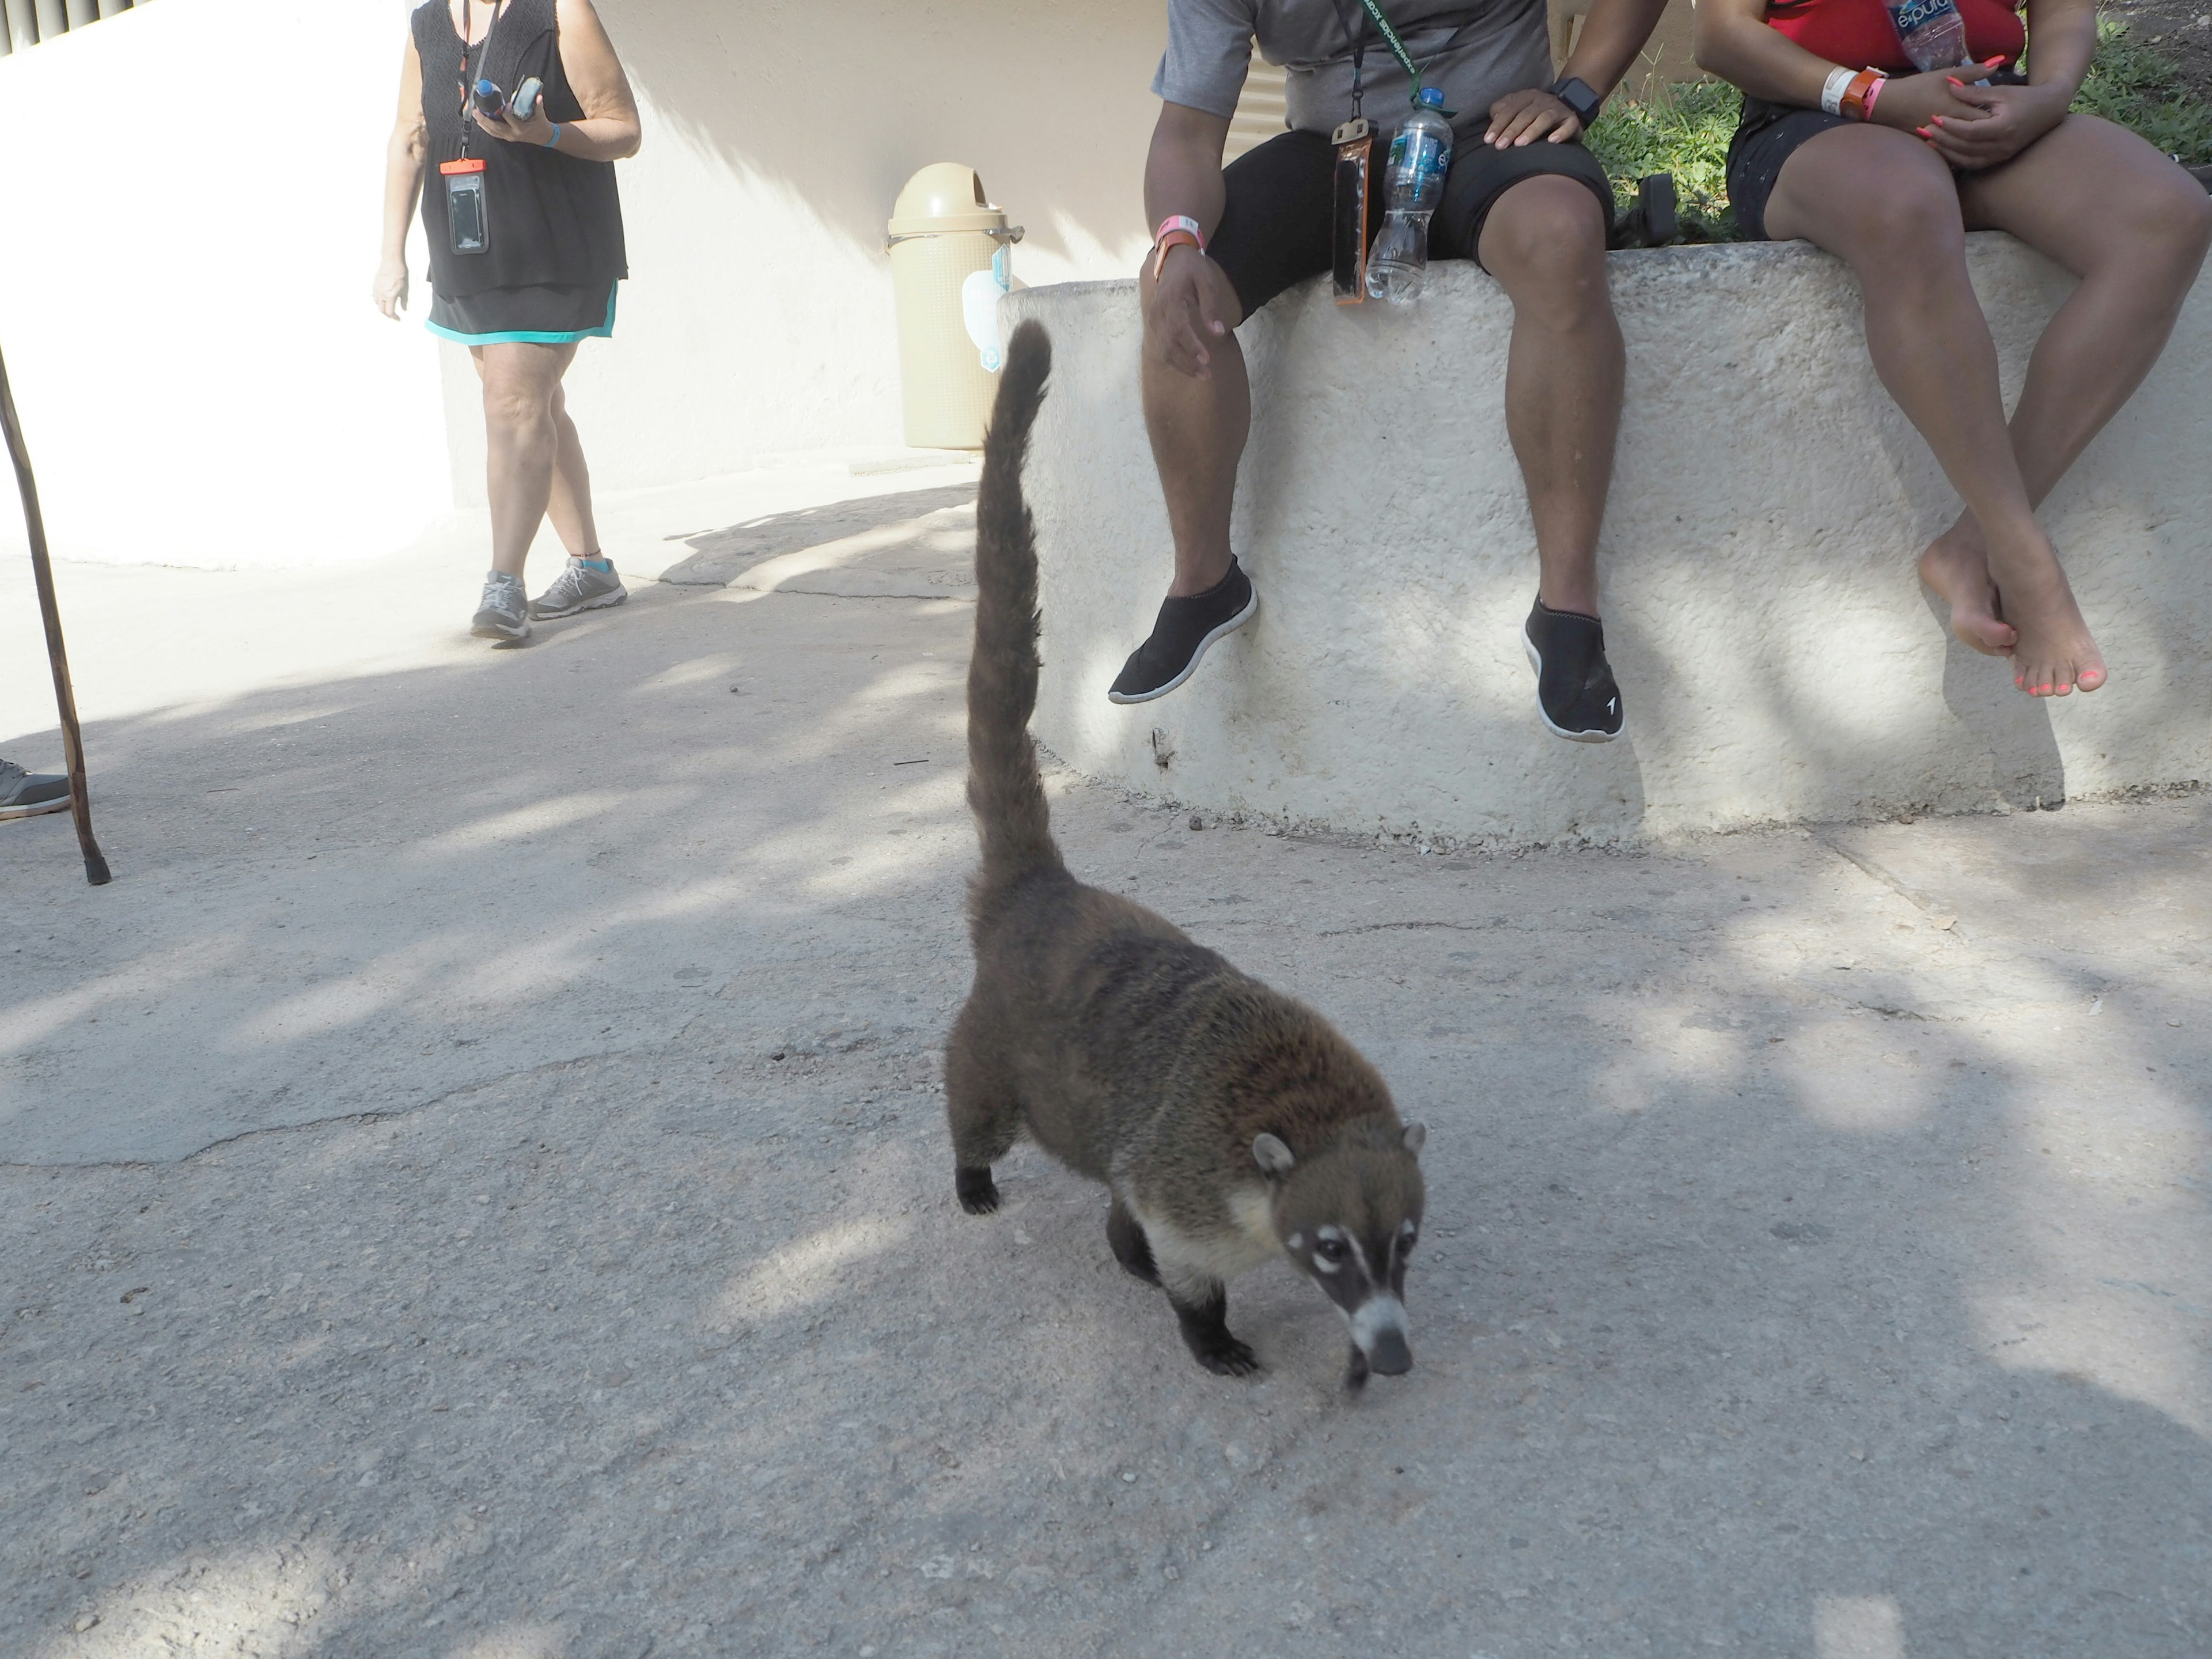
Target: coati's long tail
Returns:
[1004, 789]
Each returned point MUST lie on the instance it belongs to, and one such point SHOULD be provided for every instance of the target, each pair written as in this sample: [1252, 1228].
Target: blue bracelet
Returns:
[554, 140]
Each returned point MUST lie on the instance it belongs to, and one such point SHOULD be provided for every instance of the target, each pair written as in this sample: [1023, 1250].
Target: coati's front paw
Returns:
[977, 1193]
[1224, 1355]
[1355, 1372]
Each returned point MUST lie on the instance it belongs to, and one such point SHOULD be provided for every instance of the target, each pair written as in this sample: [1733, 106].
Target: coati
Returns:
[1230, 1123]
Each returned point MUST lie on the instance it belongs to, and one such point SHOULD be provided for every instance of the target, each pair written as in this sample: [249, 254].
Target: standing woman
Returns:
[1842, 144]
[525, 238]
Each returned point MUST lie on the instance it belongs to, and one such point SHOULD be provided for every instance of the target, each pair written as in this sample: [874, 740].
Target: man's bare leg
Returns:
[1545, 242]
[2133, 228]
[1884, 203]
[1198, 425]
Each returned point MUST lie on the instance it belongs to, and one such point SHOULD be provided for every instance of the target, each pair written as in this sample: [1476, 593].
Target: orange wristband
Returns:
[1176, 238]
[1854, 102]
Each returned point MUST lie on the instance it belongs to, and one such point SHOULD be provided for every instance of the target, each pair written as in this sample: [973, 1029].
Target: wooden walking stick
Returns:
[96, 864]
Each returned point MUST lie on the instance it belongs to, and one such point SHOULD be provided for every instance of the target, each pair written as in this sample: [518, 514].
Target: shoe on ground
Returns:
[1186, 626]
[579, 587]
[1575, 689]
[25, 794]
[504, 612]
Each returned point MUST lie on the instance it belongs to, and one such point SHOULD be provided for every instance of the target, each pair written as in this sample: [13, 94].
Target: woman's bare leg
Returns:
[1883, 200]
[520, 382]
[2133, 228]
[570, 505]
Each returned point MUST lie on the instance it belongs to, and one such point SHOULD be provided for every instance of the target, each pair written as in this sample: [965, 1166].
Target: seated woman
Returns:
[1888, 172]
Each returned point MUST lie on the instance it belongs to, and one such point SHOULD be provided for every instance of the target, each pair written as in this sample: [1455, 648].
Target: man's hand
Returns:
[2004, 121]
[1183, 318]
[1523, 117]
[389, 289]
[535, 130]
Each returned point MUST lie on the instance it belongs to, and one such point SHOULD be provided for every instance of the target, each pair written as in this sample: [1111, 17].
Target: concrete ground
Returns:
[475, 1185]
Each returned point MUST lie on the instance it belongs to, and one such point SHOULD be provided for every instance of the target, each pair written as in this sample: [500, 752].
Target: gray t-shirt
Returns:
[1501, 46]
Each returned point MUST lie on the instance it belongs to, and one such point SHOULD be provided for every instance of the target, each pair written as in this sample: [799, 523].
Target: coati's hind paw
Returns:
[1355, 1372]
[977, 1193]
[1225, 1356]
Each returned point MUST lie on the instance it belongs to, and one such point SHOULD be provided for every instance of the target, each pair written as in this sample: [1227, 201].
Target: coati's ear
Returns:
[1416, 1137]
[1272, 1155]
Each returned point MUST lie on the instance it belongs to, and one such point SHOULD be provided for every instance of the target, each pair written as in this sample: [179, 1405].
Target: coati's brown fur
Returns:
[1230, 1123]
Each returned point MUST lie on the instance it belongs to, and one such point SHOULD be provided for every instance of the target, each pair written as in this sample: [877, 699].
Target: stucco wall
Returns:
[184, 310]
[188, 325]
[1778, 658]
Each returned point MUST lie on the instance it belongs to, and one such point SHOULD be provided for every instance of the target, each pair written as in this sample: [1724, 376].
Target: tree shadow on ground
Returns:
[631, 1311]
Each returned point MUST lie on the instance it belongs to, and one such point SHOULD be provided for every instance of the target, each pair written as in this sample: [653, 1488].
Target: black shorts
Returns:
[1275, 231]
[1765, 138]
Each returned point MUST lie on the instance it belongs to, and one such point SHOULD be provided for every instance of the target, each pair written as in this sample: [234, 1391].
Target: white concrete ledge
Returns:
[1778, 658]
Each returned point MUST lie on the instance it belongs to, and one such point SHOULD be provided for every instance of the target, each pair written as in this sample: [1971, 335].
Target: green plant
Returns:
[2139, 87]
[1684, 129]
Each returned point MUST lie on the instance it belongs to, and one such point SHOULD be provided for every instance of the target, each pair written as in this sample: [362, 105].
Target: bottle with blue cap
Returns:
[1420, 156]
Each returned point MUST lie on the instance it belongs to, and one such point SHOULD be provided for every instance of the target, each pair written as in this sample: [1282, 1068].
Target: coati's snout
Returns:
[1348, 1215]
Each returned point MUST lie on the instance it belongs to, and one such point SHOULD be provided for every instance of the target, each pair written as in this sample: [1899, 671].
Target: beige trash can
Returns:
[949, 264]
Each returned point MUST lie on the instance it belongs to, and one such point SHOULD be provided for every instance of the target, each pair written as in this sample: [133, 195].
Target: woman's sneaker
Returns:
[586, 584]
[504, 612]
[1185, 628]
[1575, 690]
[25, 794]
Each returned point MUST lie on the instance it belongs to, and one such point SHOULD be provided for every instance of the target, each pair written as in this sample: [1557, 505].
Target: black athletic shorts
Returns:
[1275, 231]
[1765, 138]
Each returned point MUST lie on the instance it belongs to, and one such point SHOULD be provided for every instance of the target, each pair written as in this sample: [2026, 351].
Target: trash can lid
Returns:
[944, 195]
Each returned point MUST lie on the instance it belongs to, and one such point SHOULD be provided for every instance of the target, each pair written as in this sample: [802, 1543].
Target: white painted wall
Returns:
[758, 318]
[204, 381]
[1778, 656]
[185, 320]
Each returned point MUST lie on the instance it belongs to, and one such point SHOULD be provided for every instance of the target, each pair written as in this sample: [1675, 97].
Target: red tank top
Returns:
[1858, 34]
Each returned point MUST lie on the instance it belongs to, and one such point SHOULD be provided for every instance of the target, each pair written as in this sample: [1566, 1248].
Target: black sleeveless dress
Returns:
[554, 232]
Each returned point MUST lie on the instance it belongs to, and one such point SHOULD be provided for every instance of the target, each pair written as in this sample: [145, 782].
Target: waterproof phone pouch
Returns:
[1355, 173]
[465, 204]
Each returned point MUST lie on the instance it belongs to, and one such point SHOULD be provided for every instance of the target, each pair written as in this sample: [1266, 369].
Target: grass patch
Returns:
[1685, 129]
[2138, 87]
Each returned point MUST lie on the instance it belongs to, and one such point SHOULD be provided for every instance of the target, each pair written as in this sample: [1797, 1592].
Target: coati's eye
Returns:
[1331, 1249]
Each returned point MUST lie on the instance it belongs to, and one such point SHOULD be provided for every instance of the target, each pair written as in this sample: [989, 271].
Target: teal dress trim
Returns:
[533, 337]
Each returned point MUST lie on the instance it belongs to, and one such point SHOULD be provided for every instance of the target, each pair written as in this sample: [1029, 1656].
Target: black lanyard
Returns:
[1357, 43]
[1369, 9]
[468, 80]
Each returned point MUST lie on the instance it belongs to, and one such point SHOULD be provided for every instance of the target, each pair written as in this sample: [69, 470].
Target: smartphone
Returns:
[524, 104]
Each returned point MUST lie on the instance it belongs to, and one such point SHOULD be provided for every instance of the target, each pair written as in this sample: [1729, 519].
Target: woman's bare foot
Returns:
[1958, 568]
[2054, 654]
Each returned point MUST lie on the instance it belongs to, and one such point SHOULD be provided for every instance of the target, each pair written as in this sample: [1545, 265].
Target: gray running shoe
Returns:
[504, 613]
[25, 794]
[579, 587]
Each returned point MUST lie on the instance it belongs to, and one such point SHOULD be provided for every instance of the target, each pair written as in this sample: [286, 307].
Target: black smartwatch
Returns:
[1578, 96]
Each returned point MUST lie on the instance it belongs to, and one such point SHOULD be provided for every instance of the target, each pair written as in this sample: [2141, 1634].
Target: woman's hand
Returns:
[1183, 319]
[535, 131]
[390, 290]
[2006, 121]
[1912, 103]
[1523, 117]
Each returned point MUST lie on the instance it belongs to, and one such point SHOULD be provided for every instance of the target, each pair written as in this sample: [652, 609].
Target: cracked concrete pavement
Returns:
[475, 1185]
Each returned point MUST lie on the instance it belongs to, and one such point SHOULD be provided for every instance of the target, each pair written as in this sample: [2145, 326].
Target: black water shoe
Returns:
[1575, 692]
[1185, 628]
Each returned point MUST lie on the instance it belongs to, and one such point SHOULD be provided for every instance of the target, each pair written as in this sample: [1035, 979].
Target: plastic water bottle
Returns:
[1931, 32]
[1420, 156]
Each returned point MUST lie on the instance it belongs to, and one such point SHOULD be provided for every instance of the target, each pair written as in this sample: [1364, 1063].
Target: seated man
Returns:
[1843, 144]
[1523, 198]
